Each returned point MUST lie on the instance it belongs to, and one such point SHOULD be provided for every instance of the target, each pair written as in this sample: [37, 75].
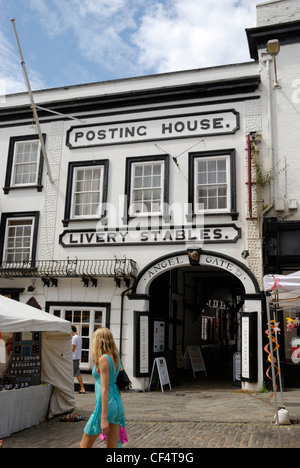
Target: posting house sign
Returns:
[160, 128]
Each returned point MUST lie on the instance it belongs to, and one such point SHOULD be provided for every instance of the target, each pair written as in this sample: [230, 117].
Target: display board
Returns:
[25, 367]
[194, 354]
[160, 365]
[159, 337]
[237, 367]
[249, 344]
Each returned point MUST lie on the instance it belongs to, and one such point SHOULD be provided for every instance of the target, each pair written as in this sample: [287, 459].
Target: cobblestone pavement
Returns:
[201, 418]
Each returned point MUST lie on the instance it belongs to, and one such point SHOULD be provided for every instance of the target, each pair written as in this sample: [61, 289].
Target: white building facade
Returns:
[152, 223]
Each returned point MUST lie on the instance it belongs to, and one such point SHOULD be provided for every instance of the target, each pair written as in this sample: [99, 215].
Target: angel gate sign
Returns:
[196, 258]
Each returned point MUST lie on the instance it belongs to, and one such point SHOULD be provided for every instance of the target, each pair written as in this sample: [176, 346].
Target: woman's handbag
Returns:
[123, 381]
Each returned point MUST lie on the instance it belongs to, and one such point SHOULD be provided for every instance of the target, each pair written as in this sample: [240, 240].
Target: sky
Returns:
[69, 42]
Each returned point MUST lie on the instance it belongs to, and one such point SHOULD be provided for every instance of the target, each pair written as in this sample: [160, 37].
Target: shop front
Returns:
[198, 298]
[282, 259]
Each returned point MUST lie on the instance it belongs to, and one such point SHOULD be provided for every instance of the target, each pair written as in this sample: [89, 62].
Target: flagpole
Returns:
[33, 106]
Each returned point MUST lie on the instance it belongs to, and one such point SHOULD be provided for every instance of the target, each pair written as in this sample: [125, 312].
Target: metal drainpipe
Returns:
[249, 177]
[268, 60]
[121, 317]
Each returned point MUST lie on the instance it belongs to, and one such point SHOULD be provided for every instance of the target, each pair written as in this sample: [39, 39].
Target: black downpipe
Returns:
[121, 318]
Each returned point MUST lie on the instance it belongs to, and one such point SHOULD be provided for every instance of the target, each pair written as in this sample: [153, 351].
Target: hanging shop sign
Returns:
[209, 234]
[160, 128]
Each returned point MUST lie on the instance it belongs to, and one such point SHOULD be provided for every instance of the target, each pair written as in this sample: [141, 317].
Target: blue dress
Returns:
[115, 413]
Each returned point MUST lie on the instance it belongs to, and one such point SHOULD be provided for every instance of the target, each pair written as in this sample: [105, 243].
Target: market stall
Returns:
[282, 294]
[25, 404]
[284, 302]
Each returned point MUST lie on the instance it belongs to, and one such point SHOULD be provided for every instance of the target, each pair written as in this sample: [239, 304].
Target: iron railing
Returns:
[113, 268]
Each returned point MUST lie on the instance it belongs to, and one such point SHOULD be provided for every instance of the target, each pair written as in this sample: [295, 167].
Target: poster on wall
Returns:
[249, 343]
[159, 337]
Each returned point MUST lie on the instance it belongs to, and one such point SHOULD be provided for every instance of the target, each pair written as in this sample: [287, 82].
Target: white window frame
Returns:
[92, 325]
[227, 184]
[99, 208]
[132, 211]
[15, 164]
[5, 252]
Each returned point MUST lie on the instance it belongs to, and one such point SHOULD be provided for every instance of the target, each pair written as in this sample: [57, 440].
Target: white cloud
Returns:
[122, 38]
[99, 28]
[12, 77]
[183, 34]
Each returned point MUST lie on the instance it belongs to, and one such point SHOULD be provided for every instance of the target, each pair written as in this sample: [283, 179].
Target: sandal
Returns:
[72, 417]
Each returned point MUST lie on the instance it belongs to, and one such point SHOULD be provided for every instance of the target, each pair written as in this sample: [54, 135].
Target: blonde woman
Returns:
[109, 412]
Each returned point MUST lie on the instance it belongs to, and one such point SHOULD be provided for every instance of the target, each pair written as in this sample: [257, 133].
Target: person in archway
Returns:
[109, 413]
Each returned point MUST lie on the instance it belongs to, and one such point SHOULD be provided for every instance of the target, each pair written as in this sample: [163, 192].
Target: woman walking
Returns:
[109, 414]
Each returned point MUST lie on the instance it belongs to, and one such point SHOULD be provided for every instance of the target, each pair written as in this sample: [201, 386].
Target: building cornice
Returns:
[286, 33]
[158, 95]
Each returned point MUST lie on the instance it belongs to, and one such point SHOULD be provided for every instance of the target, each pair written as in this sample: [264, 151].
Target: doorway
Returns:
[197, 307]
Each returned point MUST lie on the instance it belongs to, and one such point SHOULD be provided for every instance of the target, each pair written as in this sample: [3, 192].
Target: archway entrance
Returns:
[196, 298]
[197, 307]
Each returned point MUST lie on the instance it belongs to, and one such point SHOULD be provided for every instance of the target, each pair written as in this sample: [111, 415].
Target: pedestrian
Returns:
[109, 414]
[9, 353]
[76, 356]
[5, 359]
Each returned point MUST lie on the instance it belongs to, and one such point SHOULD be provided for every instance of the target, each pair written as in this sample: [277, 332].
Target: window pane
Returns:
[212, 166]
[69, 316]
[77, 316]
[18, 242]
[88, 192]
[26, 163]
[86, 316]
[212, 183]
[147, 188]
[85, 343]
[98, 317]
[85, 356]
[157, 169]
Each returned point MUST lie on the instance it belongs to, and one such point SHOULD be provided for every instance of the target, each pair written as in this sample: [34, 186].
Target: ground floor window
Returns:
[86, 318]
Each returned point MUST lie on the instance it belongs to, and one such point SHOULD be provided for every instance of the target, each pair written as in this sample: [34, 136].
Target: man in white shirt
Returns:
[76, 355]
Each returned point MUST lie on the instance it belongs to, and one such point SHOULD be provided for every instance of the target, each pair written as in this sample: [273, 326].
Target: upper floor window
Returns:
[19, 239]
[24, 164]
[147, 182]
[147, 188]
[214, 186]
[86, 190]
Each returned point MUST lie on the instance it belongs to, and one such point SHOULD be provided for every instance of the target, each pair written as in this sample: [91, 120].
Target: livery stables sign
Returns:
[160, 128]
[131, 236]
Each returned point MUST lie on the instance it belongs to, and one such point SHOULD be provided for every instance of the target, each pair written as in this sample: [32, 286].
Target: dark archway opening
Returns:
[197, 307]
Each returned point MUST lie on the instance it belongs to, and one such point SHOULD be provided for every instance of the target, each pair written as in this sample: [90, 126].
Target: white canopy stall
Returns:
[56, 367]
[283, 284]
[281, 291]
